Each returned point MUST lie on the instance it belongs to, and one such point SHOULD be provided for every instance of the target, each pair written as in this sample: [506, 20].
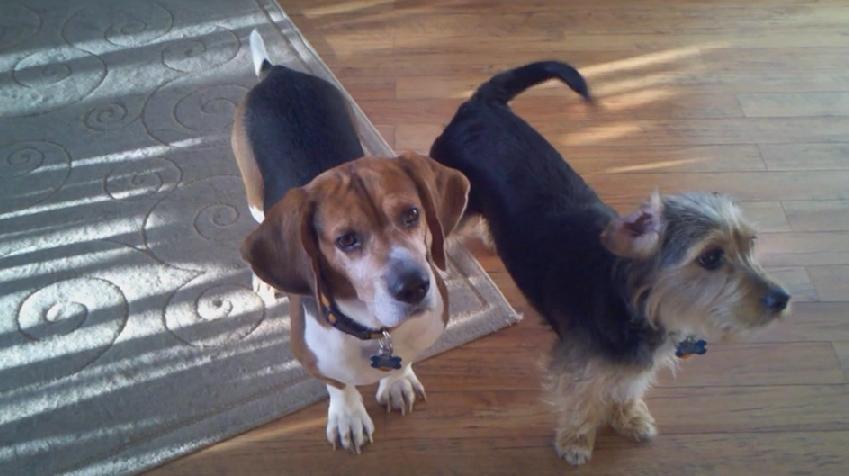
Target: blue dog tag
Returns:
[384, 360]
[691, 346]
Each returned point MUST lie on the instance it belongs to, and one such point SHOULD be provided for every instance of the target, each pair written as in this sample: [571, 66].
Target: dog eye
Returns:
[410, 217]
[711, 259]
[348, 241]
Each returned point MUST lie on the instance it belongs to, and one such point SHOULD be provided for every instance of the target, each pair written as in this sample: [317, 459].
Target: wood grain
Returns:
[745, 97]
[818, 216]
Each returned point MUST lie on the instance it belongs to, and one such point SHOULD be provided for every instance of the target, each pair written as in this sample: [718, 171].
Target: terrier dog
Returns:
[625, 294]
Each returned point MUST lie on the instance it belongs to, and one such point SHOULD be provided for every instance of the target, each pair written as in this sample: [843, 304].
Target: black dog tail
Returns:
[503, 87]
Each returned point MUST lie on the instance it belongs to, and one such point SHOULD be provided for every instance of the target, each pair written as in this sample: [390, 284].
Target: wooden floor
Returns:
[746, 97]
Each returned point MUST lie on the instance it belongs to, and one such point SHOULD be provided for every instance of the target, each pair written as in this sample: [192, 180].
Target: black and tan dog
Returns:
[355, 242]
[625, 294]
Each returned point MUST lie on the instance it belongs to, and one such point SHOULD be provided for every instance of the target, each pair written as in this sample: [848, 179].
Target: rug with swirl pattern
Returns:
[129, 334]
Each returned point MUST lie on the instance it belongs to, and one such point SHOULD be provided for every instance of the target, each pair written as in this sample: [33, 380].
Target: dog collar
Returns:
[684, 348]
[690, 346]
[384, 359]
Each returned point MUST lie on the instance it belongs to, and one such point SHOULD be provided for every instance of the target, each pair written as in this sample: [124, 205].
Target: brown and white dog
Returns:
[355, 243]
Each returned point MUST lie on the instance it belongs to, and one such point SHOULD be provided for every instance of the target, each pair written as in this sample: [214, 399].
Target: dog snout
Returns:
[410, 286]
[776, 299]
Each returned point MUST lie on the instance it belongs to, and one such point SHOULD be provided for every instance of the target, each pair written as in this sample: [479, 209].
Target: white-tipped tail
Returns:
[258, 53]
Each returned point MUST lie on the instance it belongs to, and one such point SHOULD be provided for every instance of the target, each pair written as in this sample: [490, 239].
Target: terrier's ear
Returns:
[638, 234]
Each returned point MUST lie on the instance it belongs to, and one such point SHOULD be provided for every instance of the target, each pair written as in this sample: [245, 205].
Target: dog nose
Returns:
[776, 299]
[411, 287]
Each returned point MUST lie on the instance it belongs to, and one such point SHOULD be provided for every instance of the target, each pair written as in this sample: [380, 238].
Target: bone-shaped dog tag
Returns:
[690, 346]
[384, 360]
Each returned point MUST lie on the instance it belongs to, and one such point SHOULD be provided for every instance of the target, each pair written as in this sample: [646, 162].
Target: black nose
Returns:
[410, 287]
[776, 299]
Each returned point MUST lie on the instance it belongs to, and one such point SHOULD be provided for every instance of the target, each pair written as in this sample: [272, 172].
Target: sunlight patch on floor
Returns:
[595, 134]
[653, 165]
[343, 7]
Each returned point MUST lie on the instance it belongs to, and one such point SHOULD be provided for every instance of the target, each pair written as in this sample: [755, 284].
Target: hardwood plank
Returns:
[521, 413]
[841, 349]
[647, 133]
[831, 282]
[750, 409]
[794, 249]
[797, 363]
[664, 159]
[388, 133]
[640, 132]
[687, 64]
[684, 79]
[796, 280]
[772, 453]
[505, 367]
[780, 37]
[567, 107]
[809, 321]
[620, 19]
[382, 63]
[817, 215]
[367, 89]
[794, 104]
[766, 216]
[325, 8]
[629, 189]
[806, 156]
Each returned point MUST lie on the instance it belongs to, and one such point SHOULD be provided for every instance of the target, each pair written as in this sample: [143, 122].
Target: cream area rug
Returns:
[129, 334]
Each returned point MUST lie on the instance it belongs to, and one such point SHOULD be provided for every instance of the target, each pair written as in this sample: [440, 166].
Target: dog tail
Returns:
[503, 87]
[259, 55]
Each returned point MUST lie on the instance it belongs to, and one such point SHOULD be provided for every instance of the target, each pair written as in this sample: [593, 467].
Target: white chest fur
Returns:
[347, 359]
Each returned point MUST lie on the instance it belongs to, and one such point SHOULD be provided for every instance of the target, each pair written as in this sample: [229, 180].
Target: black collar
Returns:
[336, 318]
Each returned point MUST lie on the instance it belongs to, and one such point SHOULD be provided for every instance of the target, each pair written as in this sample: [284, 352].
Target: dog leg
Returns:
[576, 430]
[629, 415]
[632, 419]
[576, 389]
[580, 411]
[398, 390]
[347, 419]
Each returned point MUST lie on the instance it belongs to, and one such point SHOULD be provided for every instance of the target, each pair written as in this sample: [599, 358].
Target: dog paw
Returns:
[575, 449]
[399, 391]
[638, 429]
[348, 423]
[575, 454]
[633, 420]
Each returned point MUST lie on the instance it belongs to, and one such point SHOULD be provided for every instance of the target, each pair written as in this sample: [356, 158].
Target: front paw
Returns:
[399, 391]
[576, 449]
[348, 423]
[633, 420]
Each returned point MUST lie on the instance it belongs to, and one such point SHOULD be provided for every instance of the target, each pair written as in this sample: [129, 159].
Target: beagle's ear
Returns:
[638, 234]
[443, 192]
[283, 251]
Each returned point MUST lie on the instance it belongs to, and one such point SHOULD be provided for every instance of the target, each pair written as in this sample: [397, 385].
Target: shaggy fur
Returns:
[621, 292]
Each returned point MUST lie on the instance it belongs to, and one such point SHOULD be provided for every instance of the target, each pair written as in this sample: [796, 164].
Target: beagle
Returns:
[354, 243]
